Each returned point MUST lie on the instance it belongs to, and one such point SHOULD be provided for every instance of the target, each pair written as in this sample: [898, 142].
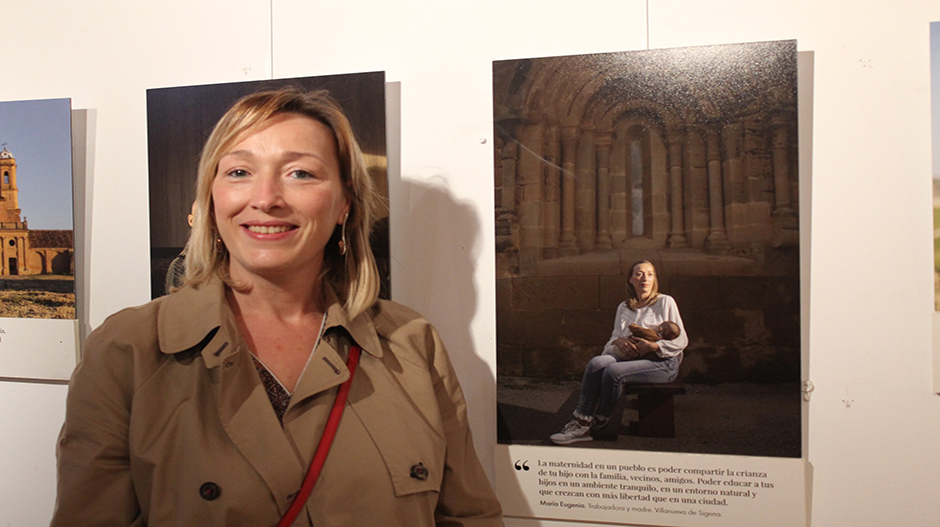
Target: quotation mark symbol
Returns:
[522, 465]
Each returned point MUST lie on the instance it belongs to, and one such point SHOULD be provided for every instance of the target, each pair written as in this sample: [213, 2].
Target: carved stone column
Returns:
[507, 177]
[735, 187]
[527, 227]
[618, 190]
[780, 126]
[717, 237]
[569, 151]
[506, 206]
[786, 224]
[552, 207]
[602, 142]
[677, 239]
[585, 191]
[23, 263]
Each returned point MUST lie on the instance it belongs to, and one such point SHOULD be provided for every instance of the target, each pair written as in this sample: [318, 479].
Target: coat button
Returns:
[209, 491]
[419, 472]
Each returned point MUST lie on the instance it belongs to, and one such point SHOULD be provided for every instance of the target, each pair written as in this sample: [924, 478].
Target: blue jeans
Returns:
[605, 376]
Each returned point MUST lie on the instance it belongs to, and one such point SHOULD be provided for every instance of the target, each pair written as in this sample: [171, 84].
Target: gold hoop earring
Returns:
[342, 239]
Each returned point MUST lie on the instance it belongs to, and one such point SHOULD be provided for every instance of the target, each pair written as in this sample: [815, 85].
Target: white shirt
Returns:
[663, 309]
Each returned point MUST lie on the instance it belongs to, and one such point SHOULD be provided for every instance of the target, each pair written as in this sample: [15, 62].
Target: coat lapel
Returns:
[249, 420]
[327, 369]
[201, 319]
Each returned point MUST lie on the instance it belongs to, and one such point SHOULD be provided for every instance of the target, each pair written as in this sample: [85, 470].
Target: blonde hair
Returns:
[354, 276]
[633, 302]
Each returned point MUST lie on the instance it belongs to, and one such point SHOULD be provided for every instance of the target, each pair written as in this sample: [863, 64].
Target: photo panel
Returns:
[685, 158]
[37, 254]
[179, 121]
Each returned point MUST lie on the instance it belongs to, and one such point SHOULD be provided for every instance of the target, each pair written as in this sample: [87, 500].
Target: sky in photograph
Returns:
[38, 134]
[935, 94]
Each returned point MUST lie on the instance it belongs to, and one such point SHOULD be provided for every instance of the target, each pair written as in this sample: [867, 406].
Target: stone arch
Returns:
[61, 262]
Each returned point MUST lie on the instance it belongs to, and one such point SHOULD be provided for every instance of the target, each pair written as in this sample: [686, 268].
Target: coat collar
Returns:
[199, 317]
[361, 328]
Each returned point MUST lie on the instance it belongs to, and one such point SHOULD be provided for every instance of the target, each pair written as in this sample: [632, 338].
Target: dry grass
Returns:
[36, 304]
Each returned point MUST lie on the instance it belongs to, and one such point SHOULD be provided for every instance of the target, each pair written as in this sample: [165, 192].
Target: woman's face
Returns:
[642, 279]
[278, 197]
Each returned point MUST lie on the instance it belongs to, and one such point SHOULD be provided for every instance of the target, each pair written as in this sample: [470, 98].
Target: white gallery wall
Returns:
[873, 420]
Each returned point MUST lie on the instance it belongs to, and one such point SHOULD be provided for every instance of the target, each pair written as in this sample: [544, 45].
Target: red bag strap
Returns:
[319, 458]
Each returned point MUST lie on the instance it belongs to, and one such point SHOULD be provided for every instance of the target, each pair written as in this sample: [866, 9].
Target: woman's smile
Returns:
[269, 229]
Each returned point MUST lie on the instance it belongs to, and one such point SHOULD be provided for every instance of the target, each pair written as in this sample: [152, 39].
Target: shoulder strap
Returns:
[319, 458]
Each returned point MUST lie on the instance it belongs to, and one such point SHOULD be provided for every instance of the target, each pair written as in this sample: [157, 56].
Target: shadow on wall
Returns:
[436, 240]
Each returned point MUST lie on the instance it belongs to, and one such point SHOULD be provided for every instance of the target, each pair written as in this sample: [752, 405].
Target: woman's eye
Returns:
[237, 172]
[302, 174]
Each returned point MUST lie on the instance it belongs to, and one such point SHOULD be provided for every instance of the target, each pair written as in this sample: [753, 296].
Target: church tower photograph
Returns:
[37, 260]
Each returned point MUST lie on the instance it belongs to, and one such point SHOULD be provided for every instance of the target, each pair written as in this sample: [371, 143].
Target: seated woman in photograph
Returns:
[209, 406]
[629, 358]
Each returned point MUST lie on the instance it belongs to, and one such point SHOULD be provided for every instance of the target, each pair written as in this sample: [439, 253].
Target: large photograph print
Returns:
[37, 266]
[179, 120]
[38, 321]
[687, 159]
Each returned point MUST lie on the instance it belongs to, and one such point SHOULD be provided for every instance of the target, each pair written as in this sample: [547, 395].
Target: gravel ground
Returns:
[730, 419]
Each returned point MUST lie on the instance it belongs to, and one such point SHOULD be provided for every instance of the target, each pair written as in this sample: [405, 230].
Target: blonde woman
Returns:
[275, 362]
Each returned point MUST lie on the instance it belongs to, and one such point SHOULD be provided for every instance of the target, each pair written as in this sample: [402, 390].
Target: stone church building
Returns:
[685, 157]
[24, 251]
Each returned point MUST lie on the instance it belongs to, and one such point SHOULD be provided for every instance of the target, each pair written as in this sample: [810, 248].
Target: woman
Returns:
[628, 358]
[205, 407]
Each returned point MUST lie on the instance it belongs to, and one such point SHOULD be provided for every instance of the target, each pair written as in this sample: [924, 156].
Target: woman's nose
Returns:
[268, 193]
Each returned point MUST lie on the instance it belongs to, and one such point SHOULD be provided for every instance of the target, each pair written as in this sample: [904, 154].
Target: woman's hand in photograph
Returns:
[643, 346]
[628, 350]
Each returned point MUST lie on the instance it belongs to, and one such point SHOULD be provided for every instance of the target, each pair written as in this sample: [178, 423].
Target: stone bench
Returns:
[656, 408]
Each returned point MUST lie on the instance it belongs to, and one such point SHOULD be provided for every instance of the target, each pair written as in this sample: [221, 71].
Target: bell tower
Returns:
[9, 195]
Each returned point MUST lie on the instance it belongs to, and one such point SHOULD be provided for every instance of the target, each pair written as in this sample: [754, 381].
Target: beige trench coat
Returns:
[166, 410]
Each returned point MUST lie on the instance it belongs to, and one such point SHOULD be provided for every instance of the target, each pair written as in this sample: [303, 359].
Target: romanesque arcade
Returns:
[685, 157]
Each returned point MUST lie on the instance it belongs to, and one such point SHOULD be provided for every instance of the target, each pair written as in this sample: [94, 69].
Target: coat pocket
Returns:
[413, 452]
